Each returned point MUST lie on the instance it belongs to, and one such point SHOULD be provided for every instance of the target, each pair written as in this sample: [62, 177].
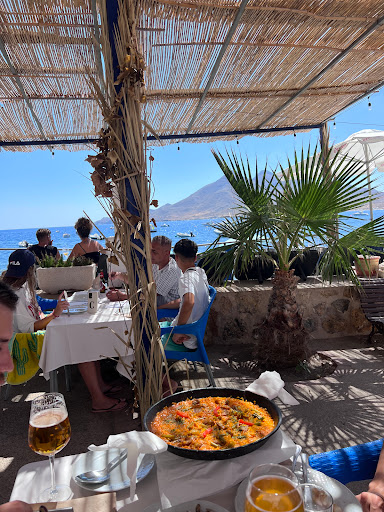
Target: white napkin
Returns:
[182, 479]
[271, 385]
[135, 443]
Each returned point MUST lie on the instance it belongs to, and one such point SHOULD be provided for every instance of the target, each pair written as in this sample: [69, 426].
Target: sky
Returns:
[39, 189]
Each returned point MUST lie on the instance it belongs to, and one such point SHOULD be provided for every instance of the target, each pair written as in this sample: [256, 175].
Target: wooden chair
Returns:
[372, 303]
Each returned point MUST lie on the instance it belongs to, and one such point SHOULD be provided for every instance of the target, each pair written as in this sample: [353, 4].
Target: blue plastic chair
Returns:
[198, 329]
[349, 464]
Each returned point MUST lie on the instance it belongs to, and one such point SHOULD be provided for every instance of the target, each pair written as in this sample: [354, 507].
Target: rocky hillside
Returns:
[214, 200]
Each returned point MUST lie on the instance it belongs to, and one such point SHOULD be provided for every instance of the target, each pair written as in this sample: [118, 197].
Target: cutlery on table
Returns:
[304, 466]
[98, 476]
[295, 457]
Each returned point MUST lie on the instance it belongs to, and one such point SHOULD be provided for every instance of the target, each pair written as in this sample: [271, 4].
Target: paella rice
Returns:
[212, 423]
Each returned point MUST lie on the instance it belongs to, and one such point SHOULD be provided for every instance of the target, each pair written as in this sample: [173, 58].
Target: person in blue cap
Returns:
[20, 275]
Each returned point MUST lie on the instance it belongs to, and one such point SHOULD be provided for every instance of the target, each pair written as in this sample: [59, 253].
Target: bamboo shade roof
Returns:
[212, 65]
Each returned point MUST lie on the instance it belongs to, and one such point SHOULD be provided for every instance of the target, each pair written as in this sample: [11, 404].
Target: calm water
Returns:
[10, 238]
[203, 234]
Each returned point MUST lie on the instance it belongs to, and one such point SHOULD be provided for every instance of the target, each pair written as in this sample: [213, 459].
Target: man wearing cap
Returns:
[20, 275]
[44, 246]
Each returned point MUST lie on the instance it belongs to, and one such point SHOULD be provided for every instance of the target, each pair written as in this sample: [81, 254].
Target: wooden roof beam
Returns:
[215, 68]
[332, 64]
[22, 90]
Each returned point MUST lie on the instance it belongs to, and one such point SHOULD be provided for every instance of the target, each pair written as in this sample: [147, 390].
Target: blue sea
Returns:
[10, 238]
[202, 230]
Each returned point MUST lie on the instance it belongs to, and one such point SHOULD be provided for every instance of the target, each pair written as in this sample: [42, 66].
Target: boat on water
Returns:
[185, 235]
[66, 235]
[96, 236]
[165, 225]
[23, 243]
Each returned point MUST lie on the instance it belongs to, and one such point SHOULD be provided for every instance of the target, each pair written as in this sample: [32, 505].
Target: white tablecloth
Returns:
[33, 478]
[76, 338]
[219, 487]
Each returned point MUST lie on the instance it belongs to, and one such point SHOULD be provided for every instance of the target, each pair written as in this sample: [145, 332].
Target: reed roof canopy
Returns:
[227, 67]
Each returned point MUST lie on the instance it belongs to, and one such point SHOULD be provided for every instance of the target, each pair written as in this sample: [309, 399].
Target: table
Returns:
[33, 478]
[83, 337]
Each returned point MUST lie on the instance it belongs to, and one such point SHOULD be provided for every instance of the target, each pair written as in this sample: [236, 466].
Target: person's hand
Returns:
[179, 338]
[370, 502]
[115, 295]
[16, 506]
[116, 275]
[61, 305]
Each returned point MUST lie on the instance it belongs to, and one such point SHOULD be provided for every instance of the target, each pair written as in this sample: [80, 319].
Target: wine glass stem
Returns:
[53, 481]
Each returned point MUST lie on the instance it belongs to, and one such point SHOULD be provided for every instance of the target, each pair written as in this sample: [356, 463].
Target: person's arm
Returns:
[184, 314]
[74, 253]
[119, 275]
[43, 322]
[16, 506]
[174, 304]
[373, 499]
[115, 295]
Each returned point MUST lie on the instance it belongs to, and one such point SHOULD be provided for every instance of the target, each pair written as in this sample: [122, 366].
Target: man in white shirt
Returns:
[194, 295]
[166, 275]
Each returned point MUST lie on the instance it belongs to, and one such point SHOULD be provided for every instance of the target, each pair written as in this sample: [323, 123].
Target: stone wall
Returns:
[329, 311]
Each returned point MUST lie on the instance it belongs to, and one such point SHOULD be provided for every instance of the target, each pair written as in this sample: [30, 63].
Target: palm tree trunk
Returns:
[282, 338]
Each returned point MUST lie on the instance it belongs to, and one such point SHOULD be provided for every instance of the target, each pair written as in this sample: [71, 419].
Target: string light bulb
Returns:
[237, 140]
[178, 148]
[334, 125]
[369, 104]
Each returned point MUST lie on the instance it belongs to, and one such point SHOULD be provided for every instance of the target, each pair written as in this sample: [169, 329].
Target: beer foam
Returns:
[48, 418]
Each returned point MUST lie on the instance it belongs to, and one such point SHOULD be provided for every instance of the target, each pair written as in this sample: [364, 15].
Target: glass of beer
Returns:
[49, 431]
[273, 488]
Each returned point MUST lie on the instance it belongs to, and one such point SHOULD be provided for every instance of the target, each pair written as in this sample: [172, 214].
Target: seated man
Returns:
[8, 301]
[194, 293]
[166, 275]
[44, 246]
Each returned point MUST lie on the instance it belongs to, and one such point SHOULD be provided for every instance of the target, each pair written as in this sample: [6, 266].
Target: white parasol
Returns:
[365, 146]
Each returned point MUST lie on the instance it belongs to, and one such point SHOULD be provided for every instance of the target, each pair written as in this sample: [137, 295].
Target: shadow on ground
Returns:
[341, 409]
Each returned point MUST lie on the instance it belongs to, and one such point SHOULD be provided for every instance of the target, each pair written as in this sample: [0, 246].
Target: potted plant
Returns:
[54, 275]
[292, 211]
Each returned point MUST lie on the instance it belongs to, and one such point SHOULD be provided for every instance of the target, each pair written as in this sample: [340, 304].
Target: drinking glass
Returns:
[49, 431]
[273, 488]
[316, 499]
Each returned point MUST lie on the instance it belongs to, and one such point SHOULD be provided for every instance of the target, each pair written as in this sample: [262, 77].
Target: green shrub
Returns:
[50, 262]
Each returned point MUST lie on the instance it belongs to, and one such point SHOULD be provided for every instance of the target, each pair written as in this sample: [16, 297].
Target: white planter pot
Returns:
[55, 279]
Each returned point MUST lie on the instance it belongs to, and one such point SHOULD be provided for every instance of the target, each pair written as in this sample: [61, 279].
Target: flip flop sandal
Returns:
[112, 390]
[114, 408]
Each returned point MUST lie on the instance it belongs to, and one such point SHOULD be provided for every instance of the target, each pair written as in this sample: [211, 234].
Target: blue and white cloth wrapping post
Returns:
[271, 385]
[135, 444]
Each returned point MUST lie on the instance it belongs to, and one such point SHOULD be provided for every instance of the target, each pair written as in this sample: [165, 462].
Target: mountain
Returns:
[214, 200]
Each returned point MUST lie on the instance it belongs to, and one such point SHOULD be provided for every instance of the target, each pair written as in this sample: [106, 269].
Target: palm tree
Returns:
[279, 217]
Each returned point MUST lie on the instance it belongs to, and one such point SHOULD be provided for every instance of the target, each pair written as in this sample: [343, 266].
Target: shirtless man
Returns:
[8, 300]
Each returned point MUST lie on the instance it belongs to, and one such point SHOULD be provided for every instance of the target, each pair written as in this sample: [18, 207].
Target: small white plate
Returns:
[119, 480]
[189, 506]
[341, 495]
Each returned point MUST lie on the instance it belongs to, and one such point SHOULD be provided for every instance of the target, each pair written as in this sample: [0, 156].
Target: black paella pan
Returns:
[229, 453]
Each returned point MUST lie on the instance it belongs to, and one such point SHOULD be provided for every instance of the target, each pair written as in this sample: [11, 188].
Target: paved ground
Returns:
[342, 409]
